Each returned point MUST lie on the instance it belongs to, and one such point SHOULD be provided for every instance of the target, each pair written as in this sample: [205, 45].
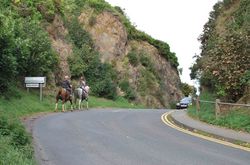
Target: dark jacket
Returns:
[66, 84]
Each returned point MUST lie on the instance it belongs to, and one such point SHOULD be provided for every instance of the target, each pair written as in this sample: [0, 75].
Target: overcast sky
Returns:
[177, 22]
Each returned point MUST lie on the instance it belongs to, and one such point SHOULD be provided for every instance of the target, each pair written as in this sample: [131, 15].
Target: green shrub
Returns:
[4, 128]
[19, 135]
[15, 141]
[92, 20]
[101, 78]
[33, 49]
[77, 34]
[99, 5]
[78, 63]
[47, 9]
[12, 155]
[133, 58]
[145, 61]
[147, 82]
[8, 63]
[129, 91]
[15, 130]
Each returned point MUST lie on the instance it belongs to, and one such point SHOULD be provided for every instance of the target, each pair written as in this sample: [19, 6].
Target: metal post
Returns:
[217, 108]
[198, 105]
[41, 91]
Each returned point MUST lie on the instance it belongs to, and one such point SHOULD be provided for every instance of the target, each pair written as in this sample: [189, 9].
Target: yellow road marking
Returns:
[167, 122]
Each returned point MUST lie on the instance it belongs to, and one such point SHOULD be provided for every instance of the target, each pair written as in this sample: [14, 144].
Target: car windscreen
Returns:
[185, 100]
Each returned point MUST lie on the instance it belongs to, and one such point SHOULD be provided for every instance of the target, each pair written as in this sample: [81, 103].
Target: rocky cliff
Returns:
[154, 80]
[110, 39]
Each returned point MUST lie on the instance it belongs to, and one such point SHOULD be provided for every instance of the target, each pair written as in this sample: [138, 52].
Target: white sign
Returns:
[32, 85]
[35, 80]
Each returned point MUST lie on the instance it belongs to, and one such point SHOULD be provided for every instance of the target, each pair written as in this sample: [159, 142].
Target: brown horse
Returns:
[63, 95]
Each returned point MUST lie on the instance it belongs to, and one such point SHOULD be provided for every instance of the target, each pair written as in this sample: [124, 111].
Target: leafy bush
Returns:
[145, 61]
[92, 20]
[77, 34]
[101, 79]
[25, 48]
[147, 82]
[129, 92]
[15, 130]
[133, 58]
[14, 141]
[10, 154]
[80, 61]
[99, 5]
[8, 63]
[33, 49]
[47, 9]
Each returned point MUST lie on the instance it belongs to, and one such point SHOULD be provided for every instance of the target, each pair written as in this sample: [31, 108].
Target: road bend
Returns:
[124, 137]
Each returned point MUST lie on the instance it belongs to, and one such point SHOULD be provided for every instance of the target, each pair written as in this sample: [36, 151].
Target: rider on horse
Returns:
[82, 84]
[66, 84]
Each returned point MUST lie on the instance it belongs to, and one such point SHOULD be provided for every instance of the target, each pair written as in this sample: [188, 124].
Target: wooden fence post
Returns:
[198, 105]
[217, 108]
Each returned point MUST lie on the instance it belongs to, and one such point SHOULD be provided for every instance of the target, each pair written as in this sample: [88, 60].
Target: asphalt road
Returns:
[124, 137]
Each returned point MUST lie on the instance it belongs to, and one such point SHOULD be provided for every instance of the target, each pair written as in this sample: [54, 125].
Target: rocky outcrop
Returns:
[110, 39]
[57, 33]
[155, 86]
[164, 88]
[108, 33]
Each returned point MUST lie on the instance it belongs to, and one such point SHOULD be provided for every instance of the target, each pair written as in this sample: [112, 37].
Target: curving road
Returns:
[124, 137]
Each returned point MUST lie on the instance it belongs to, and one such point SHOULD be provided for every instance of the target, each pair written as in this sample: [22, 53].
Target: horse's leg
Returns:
[56, 108]
[71, 105]
[63, 106]
[87, 102]
[74, 100]
[79, 104]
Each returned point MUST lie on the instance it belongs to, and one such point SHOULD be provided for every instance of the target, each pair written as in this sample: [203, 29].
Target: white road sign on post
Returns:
[36, 82]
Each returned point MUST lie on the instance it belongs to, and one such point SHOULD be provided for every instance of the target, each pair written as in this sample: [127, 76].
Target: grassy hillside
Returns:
[15, 142]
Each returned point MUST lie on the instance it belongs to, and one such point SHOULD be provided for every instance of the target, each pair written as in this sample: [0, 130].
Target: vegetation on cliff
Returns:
[26, 47]
[224, 63]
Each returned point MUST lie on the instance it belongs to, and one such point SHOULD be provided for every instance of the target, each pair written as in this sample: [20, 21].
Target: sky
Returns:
[177, 22]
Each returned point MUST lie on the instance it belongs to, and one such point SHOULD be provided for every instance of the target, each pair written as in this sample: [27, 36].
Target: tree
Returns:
[187, 89]
[8, 64]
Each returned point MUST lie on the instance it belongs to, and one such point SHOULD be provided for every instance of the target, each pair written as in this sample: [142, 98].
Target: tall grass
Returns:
[237, 119]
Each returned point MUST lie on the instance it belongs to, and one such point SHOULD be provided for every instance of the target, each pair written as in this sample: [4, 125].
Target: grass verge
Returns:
[237, 119]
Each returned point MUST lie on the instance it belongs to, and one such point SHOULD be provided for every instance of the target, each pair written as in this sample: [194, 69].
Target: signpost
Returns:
[36, 82]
